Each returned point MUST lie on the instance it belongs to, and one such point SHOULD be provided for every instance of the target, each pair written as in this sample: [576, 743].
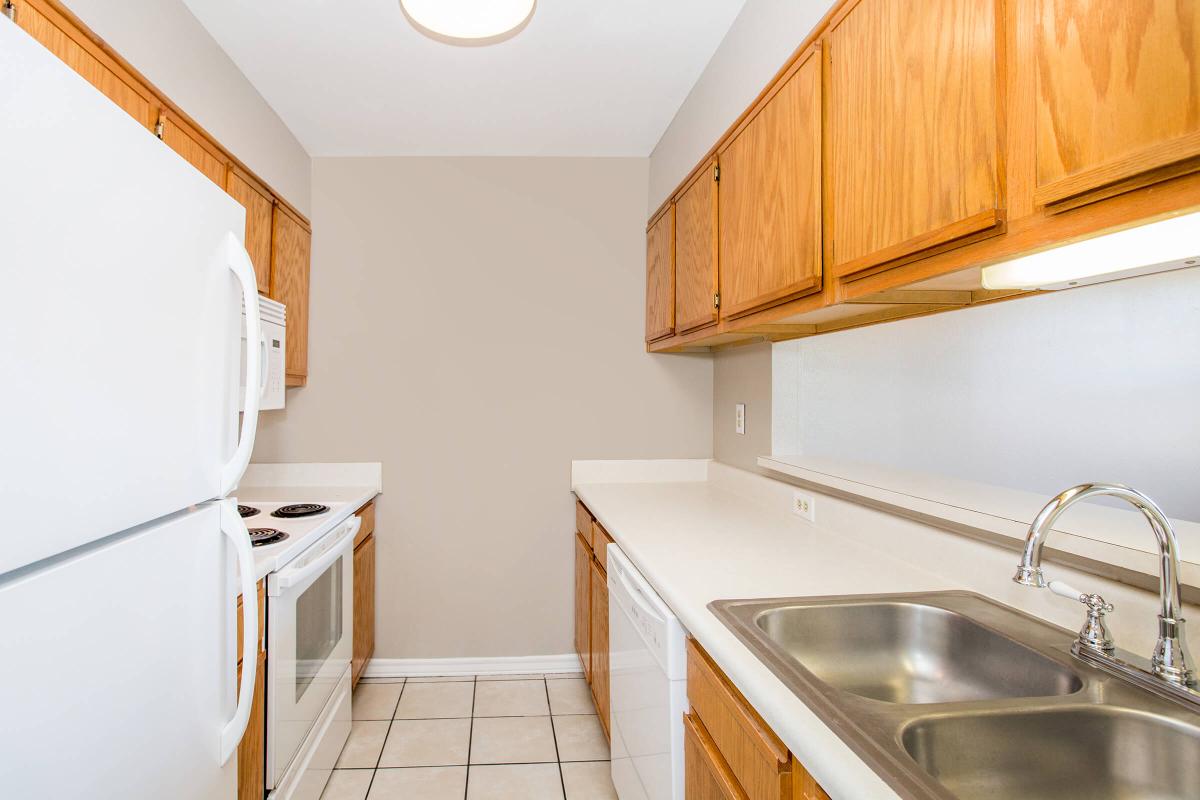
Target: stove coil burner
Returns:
[261, 537]
[299, 510]
[247, 511]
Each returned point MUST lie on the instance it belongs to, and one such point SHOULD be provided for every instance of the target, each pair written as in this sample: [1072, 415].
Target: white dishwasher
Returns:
[648, 690]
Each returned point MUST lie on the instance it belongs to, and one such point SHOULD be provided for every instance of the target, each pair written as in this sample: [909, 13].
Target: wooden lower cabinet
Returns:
[583, 607]
[252, 751]
[706, 776]
[730, 752]
[599, 644]
[364, 608]
[364, 594]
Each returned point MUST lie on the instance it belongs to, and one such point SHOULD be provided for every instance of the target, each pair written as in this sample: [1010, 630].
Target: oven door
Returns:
[310, 607]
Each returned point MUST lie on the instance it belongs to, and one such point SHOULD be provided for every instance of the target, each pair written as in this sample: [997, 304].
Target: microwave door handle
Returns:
[288, 579]
[264, 365]
[239, 263]
[233, 527]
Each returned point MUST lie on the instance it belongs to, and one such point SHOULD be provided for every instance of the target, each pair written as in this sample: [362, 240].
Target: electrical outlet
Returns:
[804, 505]
[739, 419]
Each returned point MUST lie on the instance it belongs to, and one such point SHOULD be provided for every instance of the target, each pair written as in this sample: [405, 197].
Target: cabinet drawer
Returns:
[367, 515]
[600, 542]
[706, 775]
[583, 523]
[755, 755]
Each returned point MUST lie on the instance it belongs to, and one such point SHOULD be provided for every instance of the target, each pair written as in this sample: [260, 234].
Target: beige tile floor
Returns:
[518, 737]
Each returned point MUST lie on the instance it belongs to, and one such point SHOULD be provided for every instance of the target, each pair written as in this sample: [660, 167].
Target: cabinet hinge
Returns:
[9, 10]
[717, 300]
[717, 172]
[160, 127]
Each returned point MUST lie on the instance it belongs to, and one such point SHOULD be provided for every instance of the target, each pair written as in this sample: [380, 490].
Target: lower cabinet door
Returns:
[252, 753]
[706, 776]
[364, 608]
[600, 644]
[583, 609]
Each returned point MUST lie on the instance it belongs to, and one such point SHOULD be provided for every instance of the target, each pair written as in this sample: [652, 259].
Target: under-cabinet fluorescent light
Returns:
[1162, 246]
[469, 21]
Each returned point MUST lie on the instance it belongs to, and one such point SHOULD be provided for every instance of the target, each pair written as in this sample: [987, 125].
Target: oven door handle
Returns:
[233, 527]
[289, 578]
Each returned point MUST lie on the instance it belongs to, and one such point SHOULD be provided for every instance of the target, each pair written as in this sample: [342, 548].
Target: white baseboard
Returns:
[505, 665]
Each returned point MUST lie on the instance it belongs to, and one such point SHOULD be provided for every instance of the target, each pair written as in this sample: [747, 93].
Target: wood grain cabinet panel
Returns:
[599, 644]
[62, 37]
[755, 755]
[770, 197]
[1118, 95]
[913, 114]
[660, 276]
[259, 204]
[583, 608]
[290, 263]
[193, 147]
[252, 750]
[696, 271]
[363, 638]
[583, 522]
[706, 776]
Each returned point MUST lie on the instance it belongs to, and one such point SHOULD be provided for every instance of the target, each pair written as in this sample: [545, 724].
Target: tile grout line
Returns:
[562, 782]
[470, 737]
[383, 747]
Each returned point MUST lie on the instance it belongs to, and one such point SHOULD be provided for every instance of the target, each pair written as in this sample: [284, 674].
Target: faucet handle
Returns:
[1094, 633]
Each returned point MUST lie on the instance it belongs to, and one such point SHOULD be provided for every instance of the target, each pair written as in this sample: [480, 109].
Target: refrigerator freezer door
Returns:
[119, 315]
[119, 667]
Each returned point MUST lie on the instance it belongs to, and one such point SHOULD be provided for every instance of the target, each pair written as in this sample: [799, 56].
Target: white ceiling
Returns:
[585, 78]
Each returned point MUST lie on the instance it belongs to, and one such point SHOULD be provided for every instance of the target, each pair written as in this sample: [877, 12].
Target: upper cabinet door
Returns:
[290, 256]
[696, 252]
[192, 146]
[1118, 96]
[660, 276]
[770, 197]
[913, 114]
[60, 36]
[258, 203]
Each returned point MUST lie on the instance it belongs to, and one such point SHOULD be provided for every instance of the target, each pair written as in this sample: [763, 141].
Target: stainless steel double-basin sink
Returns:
[951, 695]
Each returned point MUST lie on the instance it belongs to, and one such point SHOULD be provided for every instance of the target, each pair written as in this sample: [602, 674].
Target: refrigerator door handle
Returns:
[233, 527]
[239, 263]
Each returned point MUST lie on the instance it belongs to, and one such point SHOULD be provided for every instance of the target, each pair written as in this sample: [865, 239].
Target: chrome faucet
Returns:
[1170, 662]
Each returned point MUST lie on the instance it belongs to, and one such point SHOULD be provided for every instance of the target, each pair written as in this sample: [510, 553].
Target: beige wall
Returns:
[742, 375]
[476, 325]
[164, 42]
[758, 43]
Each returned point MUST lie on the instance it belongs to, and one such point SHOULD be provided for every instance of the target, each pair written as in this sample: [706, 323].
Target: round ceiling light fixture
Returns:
[469, 22]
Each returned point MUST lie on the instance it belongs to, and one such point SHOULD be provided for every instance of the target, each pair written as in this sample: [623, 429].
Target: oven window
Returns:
[318, 625]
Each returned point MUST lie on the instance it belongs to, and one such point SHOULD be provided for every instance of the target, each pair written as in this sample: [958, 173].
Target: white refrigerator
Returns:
[122, 284]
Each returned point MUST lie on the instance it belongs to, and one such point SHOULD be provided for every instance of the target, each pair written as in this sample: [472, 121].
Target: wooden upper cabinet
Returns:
[192, 146]
[62, 37]
[259, 204]
[1118, 95]
[660, 276]
[290, 256]
[770, 197]
[696, 284]
[913, 122]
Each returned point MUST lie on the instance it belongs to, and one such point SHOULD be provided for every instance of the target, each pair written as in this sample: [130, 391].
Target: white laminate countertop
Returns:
[698, 541]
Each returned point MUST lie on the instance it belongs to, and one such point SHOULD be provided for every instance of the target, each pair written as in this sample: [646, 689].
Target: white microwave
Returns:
[272, 355]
